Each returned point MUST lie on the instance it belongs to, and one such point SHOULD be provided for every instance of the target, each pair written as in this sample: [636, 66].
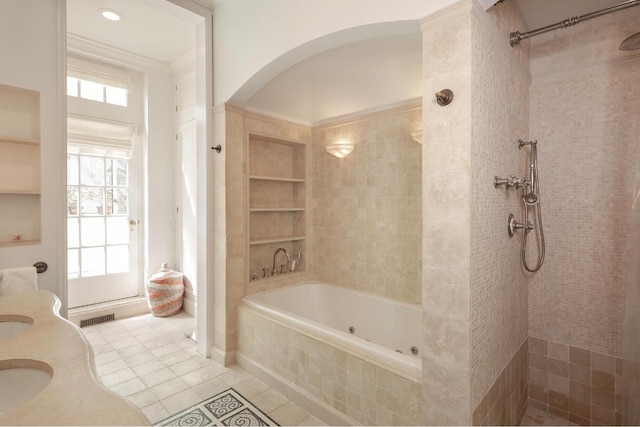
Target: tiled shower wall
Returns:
[499, 294]
[631, 337]
[366, 208]
[473, 288]
[576, 384]
[584, 110]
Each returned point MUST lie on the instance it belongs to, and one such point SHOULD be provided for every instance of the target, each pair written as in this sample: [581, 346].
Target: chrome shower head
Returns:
[631, 43]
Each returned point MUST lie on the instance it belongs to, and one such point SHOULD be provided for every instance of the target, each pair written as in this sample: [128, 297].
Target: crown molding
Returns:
[92, 49]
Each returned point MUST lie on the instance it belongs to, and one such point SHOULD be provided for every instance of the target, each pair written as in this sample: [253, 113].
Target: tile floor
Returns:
[537, 417]
[150, 361]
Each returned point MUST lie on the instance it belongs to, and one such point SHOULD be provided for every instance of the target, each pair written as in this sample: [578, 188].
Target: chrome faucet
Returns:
[275, 255]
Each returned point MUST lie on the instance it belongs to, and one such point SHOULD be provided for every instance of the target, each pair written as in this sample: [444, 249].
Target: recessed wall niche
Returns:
[277, 203]
[20, 215]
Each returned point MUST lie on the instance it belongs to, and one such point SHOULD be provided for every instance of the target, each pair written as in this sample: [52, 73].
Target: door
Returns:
[102, 228]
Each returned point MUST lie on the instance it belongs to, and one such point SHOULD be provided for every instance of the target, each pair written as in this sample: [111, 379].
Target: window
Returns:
[94, 91]
[97, 215]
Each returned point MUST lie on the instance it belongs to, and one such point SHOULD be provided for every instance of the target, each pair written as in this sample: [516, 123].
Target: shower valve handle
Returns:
[513, 226]
[510, 182]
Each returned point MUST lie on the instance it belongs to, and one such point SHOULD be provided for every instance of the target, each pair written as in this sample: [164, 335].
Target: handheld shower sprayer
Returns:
[530, 200]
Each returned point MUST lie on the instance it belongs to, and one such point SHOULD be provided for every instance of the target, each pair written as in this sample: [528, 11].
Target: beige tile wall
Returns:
[576, 384]
[631, 336]
[366, 393]
[284, 165]
[506, 401]
[584, 109]
[231, 278]
[499, 295]
[366, 208]
[446, 159]
[584, 112]
[473, 285]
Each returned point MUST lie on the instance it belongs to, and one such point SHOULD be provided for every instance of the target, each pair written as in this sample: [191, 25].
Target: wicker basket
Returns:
[165, 290]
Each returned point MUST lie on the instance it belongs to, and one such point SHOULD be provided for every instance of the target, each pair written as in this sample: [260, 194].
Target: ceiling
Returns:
[539, 13]
[374, 73]
[154, 29]
[354, 77]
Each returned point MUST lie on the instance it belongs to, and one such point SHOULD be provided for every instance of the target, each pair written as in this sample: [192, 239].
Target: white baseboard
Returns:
[120, 309]
[189, 304]
[227, 358]
[303, 398]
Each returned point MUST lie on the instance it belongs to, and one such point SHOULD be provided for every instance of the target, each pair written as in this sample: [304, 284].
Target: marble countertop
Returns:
[74, 396]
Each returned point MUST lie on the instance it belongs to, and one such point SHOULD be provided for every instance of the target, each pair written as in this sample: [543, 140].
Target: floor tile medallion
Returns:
[228, 408]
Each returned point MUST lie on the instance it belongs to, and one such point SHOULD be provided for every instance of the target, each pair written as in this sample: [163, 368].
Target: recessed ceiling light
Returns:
[109, 14]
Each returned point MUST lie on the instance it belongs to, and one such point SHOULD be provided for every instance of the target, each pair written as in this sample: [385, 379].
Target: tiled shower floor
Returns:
[536, 417]
[150, 361]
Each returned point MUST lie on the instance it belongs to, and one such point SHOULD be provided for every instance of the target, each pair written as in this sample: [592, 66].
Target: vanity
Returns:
[47, 369]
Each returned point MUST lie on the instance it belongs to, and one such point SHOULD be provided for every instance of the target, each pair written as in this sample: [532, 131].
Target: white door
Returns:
[102, 228]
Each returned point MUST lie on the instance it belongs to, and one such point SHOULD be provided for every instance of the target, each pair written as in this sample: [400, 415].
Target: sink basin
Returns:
[11, 326]
[21, 381]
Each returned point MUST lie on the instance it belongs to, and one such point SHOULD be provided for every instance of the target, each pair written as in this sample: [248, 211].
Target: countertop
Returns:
[74, 396]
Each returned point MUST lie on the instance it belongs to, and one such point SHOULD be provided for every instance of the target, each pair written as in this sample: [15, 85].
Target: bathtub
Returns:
[356, 353]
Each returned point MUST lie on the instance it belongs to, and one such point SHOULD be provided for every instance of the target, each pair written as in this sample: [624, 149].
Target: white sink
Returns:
[19, 385]
[12, 325]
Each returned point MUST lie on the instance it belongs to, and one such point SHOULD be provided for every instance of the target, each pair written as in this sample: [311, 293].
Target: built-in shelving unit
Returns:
[20, 215]
[277, 200]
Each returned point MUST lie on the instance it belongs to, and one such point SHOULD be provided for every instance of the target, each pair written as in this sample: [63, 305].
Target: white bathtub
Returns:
[384, 331]
[297, 339]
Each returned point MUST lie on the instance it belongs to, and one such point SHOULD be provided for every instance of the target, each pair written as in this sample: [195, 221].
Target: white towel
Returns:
[18, 280]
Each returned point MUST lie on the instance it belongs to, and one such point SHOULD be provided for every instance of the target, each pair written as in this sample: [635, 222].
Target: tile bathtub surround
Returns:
[506, 401]
[366, 208]
[576, 384]
[365, 393]
[231, 125]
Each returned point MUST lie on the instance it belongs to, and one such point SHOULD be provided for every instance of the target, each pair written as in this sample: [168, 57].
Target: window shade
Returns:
[90, 136]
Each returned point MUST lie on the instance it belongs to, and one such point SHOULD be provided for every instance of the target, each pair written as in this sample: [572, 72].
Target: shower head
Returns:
[631, 43]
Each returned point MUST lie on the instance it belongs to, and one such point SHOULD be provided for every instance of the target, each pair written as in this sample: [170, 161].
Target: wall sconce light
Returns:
[340, 149]
[417, 136]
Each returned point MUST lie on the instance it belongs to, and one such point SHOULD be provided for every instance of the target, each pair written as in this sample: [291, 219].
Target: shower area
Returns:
[550, 322]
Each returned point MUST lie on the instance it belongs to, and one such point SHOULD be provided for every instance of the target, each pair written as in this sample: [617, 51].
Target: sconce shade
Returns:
[340, 149]
[417, 136]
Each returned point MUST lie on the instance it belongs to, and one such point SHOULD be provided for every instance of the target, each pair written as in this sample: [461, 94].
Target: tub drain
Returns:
[414, 350]
[352, 329]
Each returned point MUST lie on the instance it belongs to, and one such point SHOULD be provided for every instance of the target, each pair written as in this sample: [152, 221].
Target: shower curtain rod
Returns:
[516, 36]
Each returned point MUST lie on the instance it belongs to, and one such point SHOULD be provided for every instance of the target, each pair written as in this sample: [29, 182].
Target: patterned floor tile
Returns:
[228, 408]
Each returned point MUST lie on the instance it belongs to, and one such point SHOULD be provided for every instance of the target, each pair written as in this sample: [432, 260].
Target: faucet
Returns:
[275, 255]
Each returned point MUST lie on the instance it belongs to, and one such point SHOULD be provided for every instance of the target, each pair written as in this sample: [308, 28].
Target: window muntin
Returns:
[98, 228]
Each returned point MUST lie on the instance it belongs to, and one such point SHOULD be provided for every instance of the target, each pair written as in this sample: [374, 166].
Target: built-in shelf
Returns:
[18, 140]
[20, 166]
[267, 279]
[273, 178]
[25, 192]
[276, 209]
[275, 239]
[277, 200]
[11, 243]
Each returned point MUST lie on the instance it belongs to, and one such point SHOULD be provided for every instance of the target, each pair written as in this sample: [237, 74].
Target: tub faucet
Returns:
[275, 255]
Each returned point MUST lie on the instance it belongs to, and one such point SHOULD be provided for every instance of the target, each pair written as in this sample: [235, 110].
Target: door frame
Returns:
[204, 71]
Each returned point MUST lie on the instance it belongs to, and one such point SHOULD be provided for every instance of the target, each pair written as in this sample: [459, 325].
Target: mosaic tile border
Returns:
[228, 408]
